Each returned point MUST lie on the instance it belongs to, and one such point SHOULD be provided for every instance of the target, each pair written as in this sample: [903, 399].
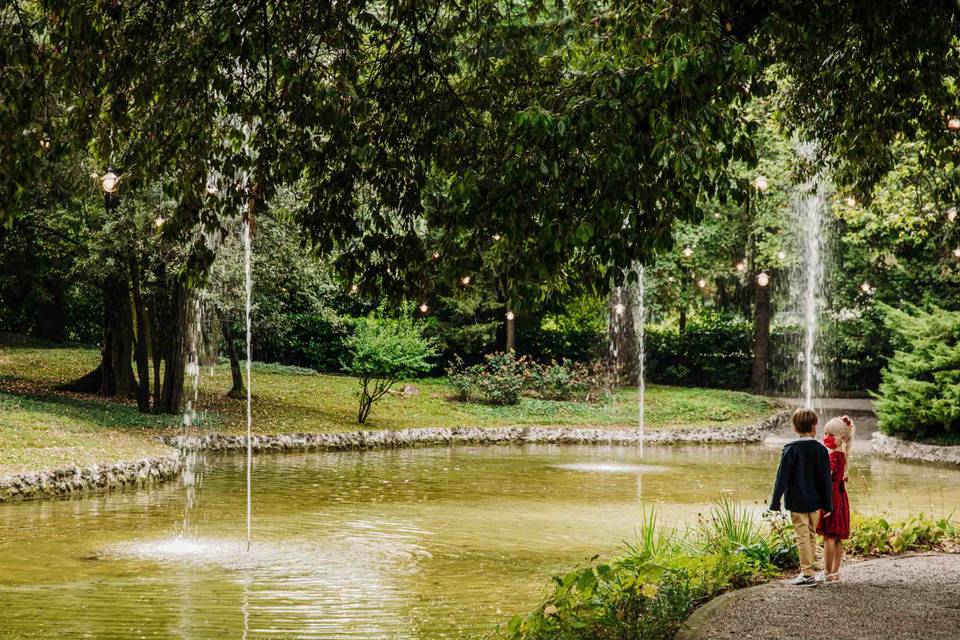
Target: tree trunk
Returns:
[174, 351]
[142, 338]
[156, 349]
[511, 341]
[761, 341]
[682, 325]
[116, 371]
[237, 389]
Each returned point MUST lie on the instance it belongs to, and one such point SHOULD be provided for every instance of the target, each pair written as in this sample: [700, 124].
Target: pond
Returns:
[414, 543]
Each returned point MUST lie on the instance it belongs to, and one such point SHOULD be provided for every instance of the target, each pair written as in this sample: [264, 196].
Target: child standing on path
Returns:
[804, 476]
[835, 526]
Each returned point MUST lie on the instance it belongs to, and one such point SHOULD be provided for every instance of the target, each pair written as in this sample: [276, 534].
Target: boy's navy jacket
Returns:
[804, 476]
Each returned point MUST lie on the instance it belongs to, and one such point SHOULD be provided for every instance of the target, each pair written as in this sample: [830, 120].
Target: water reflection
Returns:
[417, 543]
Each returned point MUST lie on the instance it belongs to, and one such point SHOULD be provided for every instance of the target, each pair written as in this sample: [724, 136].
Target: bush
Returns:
[382, 352]
[920, 392]
[310, 340]
[503, 378]
[564, 380]
[713, 351]
[872, 536]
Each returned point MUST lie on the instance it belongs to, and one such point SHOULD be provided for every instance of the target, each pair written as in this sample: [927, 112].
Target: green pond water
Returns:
[416, 543]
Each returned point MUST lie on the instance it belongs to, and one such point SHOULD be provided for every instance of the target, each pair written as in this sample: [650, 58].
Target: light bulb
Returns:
[109, 181]
[423, 307]
[687, 252]
[953, 124]
[716, 215]
[952, 214]
[510, 315]
[436, 255]
[866, 288]
[465, 280]
[45, 141]
[701, 283]
[956, 252]
[671, 279]
[741, 266]
[159, 221]
[496, 237]
[354, 288]
[850, 201]
[763, 279]
[761, 183]
[619, 308]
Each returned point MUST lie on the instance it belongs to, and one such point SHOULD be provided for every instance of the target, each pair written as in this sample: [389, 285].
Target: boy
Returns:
[804, 475]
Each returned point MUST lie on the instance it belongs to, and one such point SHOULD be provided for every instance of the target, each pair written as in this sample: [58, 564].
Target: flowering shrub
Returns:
[503, 378]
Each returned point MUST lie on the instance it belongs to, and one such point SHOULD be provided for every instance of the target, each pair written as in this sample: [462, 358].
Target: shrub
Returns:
[382, 352]
[502, 378]
[874, 535]
[564, 380]
[311, 340]
[713, 351]
[920, 392]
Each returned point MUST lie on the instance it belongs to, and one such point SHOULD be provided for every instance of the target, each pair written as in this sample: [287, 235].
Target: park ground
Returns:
[42, 427]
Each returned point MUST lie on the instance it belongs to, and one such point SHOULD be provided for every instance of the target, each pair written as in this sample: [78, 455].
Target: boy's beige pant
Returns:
[805, 526]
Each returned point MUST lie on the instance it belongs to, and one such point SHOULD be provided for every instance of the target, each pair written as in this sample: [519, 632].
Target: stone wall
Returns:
[73, 480]
[905, 450]
[358, 440]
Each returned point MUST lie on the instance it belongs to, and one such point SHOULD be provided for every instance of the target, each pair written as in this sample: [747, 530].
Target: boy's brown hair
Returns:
[804, 421]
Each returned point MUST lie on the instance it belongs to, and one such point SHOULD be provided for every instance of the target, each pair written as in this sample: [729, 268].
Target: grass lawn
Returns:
[42, 427]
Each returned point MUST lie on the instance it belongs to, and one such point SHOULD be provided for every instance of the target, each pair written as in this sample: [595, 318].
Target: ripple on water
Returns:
[611, 467]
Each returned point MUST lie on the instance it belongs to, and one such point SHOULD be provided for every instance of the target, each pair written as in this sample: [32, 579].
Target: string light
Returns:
[687, 252]
[741, 267]
[510, 315]
[763, 279]
[159, 221]
[716, 215]
[496, 237]
[423, 307]
[866, 288]
[953, 124]
[45, 141]
[850, 201]
[952, 214]
[465, 280]
[354, 288]
[671, 279]
[619, 308]
[109, 181]
[956, 252]
[701, 283]
[436, 256]
[760, 183]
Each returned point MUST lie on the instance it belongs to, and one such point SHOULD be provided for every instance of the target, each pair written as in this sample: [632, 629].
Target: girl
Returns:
[835, 527]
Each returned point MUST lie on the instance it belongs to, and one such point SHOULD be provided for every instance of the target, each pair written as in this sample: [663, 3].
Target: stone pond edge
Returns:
[900, 449]
[74, 480]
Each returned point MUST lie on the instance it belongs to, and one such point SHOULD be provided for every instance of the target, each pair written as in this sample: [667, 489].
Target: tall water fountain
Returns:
[625, 336]
[808, 281]
[640, 335]
[248, 299]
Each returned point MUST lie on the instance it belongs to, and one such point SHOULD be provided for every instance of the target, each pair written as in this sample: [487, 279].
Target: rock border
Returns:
[385, 439]
[73, 480]
[900, 449]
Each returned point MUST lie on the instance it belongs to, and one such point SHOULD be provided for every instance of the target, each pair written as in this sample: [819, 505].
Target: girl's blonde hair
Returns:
[843, 430]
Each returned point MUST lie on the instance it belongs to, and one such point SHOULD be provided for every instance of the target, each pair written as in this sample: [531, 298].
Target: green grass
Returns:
[39, 425]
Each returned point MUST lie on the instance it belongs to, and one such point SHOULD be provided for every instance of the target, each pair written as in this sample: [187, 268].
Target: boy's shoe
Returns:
[804, 581]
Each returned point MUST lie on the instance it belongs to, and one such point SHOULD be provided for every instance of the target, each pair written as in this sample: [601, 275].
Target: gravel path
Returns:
[908, 598]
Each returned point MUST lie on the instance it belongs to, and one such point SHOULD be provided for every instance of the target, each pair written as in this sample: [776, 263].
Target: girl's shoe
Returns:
[831, 577]
[821, 577]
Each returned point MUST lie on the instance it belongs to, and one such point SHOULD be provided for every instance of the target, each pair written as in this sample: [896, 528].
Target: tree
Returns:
[384, 351]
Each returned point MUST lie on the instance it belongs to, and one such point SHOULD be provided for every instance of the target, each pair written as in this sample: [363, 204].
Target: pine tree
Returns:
[920, 392]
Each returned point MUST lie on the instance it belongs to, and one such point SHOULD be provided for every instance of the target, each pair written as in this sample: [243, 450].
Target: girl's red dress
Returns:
[837, 524]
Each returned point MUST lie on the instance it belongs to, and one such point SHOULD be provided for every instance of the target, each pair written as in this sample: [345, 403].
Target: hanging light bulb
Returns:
[109, 181]
[465, 280]
[760, 183]
[952, 214]
[687, 252]
[671, 279]
[619, 308]
[510, 315]
[496, 237]
[741, 267]
[850, 201]
[45, 141]
[763, 279]
[953, 123]
[717, 215]
[701, 283]
[159, 221]
[423, 307]
[956, 252]
[354, 288]
[866, 288]
[436, 255]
